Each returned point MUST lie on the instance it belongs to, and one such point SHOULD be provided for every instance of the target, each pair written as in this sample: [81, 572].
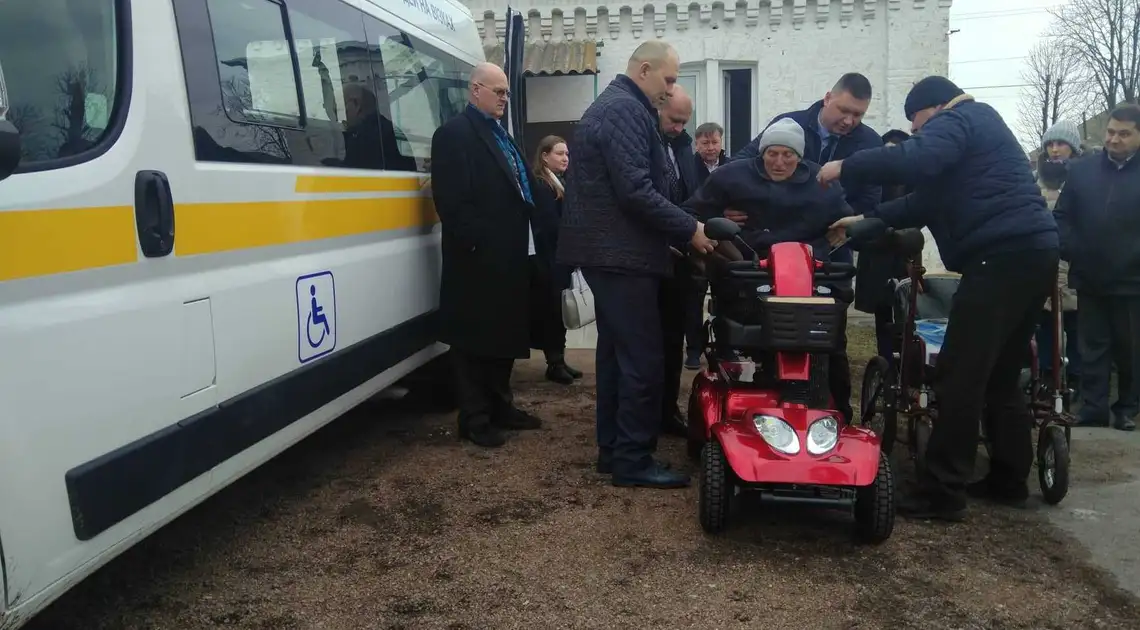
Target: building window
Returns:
[739, 108]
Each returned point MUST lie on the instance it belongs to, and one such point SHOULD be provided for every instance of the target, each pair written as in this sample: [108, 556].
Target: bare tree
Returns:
[1055, 89]
[1105, 37]
[29, 121]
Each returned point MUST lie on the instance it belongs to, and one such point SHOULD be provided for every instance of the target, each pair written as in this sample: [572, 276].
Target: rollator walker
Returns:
[904, 385]
[761, 416]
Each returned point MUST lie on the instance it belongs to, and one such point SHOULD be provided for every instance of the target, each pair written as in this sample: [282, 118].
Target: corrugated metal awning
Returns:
[542, 59]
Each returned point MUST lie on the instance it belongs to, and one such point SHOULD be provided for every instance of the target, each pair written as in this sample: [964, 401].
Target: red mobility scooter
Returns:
[761, 416]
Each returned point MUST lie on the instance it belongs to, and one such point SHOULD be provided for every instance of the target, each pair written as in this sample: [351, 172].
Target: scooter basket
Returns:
[801, 325]
[786, 325]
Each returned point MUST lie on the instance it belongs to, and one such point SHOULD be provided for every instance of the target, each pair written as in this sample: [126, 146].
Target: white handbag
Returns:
[577, 303]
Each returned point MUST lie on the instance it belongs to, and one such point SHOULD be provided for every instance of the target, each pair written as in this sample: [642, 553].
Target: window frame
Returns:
[287, 31]
[120, 107]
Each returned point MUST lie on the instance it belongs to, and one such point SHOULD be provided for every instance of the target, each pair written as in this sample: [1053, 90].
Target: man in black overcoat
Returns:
[482, 193]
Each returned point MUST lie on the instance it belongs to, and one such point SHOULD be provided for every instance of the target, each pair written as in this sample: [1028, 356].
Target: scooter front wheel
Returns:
[716, 488]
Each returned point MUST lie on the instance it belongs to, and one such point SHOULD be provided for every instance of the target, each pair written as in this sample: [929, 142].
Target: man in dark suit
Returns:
[677, 292]
[617, 225]
[482, 193]
[709, 145]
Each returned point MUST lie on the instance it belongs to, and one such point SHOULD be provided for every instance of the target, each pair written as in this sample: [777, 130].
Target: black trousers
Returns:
[484, 388]
[1108, 332]
[673, 300]
[695, 314]
[884, 336]
[839, 375]
[629, 367]
[992, 320]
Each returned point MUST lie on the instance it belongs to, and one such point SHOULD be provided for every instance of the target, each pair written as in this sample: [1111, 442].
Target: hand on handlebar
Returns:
[837, 233]
[700, 242]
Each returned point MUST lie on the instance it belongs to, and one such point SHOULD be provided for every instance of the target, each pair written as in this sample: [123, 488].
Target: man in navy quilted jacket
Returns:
[620, 216]
[974, 189]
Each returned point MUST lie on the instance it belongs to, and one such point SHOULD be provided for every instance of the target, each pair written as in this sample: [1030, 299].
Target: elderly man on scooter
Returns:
[975, 191]
[777, 193]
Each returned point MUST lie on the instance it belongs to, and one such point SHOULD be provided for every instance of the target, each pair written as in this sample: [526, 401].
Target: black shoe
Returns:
[559, 373]
[518, 420]
[605, 465]
[575, 373]
[674, 424]
[1121, 423]
[693, 360]
[485, 435]
[924, 506]
[653, 476]
[988, 491]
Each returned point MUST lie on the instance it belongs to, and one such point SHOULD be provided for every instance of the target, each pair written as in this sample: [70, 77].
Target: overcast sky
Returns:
[987, 54]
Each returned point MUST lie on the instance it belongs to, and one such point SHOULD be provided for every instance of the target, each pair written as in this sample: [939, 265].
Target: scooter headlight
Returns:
[778, 434]
[823, 435]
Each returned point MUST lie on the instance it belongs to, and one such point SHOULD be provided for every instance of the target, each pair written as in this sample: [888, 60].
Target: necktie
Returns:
[671, 178]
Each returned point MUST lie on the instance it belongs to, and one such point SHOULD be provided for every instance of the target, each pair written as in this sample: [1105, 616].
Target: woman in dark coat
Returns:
[875, 269]
[548, 333]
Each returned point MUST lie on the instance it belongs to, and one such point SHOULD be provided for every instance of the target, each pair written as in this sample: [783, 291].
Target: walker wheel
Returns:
[920, 428]
[1053, 463]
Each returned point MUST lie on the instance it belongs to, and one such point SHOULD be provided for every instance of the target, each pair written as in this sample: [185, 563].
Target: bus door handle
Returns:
[154, 213]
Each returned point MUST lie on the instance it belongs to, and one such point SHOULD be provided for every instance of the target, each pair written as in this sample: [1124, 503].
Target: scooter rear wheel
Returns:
[716, 488]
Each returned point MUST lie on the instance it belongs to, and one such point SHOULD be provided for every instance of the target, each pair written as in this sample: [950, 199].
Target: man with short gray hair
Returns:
[617, 225]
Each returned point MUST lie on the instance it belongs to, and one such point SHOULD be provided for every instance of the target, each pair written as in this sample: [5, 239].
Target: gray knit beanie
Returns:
[783, 133]
[1063, 131]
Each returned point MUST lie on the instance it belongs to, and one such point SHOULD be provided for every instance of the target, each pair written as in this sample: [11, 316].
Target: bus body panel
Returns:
[108, 352]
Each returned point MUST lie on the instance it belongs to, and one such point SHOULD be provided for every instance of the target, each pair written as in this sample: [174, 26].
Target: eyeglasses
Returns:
[499, 92]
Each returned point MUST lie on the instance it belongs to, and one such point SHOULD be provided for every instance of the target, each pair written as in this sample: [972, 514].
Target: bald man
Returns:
[620, 217]
[679, 290]
[482, 193]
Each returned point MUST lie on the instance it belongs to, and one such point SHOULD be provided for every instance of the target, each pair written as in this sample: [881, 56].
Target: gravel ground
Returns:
[384, 520]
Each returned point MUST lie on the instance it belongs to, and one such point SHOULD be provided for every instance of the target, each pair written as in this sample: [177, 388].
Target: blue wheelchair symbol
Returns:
[316, 318]
[316, 315]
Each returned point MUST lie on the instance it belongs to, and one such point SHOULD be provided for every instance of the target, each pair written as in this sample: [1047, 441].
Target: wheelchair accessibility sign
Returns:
[316, 316]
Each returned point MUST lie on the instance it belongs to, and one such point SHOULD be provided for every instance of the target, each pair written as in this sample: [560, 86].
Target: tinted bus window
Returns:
[60, 61]
[424, 88]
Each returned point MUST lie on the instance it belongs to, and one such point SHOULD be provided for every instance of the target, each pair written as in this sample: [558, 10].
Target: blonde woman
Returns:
[550, 162]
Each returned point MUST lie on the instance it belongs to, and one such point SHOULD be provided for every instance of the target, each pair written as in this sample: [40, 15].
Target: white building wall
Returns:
[796, 49]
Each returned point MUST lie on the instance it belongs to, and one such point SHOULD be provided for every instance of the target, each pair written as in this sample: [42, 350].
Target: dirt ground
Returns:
[384, 520]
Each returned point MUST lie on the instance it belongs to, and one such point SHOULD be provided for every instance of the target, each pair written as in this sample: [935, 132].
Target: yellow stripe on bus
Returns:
[342, 184]
[44, 242]
[59, 240]
[207, 228]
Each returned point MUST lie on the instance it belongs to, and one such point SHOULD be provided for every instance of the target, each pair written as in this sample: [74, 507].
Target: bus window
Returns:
[61, 67]
[254, 64]
[424, 88]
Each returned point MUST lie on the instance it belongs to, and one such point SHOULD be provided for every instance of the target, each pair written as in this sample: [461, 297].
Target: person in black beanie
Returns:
[975, 190]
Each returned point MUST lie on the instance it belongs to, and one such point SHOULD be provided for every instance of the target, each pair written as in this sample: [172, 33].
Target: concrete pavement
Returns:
[1103, 514]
